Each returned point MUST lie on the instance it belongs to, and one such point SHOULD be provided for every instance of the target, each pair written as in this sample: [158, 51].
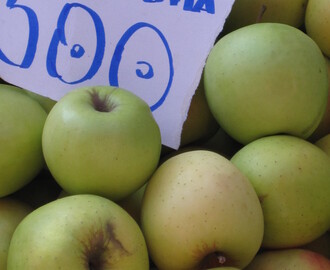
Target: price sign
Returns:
[154, 48]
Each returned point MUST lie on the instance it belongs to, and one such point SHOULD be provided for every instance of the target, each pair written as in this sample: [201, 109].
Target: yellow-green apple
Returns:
[324, 144]
[291, 177]
[317, 23]
[289, 259]
[21, 123]
[200, 123]
[265, 79]
[324, 127]
[101, 140]
[11, 214]
[78, 232]
[246, 12]
[199, 211]
[132, 204]
[46, 102]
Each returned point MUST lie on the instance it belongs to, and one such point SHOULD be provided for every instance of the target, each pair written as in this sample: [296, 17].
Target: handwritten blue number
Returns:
[114, 66]
[32, 40]
[77, 50]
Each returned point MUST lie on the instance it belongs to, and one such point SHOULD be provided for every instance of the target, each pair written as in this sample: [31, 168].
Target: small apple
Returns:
[200, 124]
[324, 144]
[11, 214]
[246, 12]
[78, 232]
[289, 259]
[21, 123]
[199, 211]
[265, 79]
[101, 140]
[317, 23]
[291, 177]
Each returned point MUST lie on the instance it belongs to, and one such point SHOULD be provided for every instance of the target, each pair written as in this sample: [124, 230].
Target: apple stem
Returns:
[101, 104]
[262, 11]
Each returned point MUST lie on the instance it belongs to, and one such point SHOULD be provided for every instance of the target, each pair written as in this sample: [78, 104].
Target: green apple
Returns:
[265, 79]
[200, 124]
[133, 203]
[289, 259]
[11, 214]
[101, 140]
[78, 232]
[199, 211]
[317, 23]
[324, 127]
[21, 123]
[291, 177]
[46, 102]
[246, 12]
[324, 144]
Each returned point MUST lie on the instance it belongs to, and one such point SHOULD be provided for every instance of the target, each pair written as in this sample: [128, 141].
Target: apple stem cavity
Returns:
[101, 104]
[262, 11]
[212, 260]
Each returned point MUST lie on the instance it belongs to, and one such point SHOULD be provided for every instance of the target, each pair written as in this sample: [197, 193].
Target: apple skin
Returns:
[266, 79]
[78, 232]
[324, 144]
[324, 127]
[22, 120]
[289, 259]
[317, 23]
[199, 211]
[200, 124]
[111, 153]
[246, 12]
[46, 102]
[291, 177]
[12, 213]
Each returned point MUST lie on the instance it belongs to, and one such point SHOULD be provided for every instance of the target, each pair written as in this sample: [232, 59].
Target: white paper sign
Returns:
[154, 48]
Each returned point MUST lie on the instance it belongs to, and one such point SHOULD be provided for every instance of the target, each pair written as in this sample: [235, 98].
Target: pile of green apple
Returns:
[85, 182]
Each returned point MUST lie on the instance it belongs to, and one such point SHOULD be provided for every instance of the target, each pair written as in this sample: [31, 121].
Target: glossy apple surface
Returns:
[291, 177]
[21, 123]
[324, 144]
[266, 79]
[199, 211]
[101, 140]
[78, 232]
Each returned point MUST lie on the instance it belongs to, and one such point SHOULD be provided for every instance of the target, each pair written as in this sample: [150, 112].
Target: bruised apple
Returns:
[78, 232]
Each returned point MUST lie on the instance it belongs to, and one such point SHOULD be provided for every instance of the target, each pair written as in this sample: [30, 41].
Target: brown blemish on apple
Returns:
[211, 258]
[100, 248]
[101, 104]
[262, 198]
